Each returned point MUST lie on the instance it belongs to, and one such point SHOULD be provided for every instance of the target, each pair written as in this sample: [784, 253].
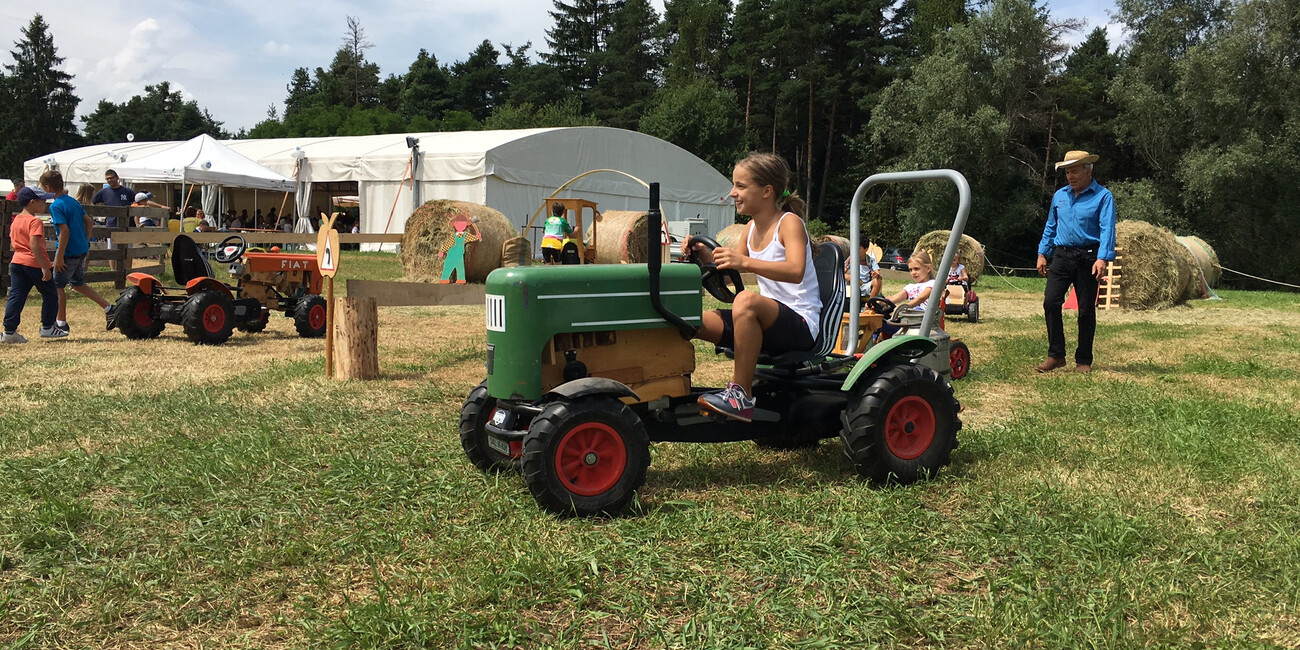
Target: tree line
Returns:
[1195, 115]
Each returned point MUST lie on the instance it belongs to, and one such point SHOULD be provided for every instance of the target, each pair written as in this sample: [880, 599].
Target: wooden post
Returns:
[358, 339]
[329, 328]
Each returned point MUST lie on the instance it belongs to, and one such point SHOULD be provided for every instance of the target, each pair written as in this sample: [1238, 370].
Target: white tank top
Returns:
[805, 297]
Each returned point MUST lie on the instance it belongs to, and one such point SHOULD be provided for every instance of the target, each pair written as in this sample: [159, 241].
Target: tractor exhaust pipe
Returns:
[654, 228]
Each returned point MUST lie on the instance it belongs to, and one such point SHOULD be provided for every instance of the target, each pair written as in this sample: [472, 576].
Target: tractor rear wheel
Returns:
[208, 317]
[135, 315]
[973, 312]
[902, 426]
[586, 457]
[309, 317]
[958, 359]
[474, 416]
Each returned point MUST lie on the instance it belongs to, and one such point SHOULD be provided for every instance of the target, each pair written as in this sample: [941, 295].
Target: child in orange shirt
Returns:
[30, 267]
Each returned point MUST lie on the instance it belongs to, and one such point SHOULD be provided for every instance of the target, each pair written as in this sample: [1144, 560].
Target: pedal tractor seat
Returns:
[188, 261]
[828, 263]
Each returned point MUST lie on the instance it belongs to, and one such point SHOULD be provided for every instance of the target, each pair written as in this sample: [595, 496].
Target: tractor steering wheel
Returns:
[881, 305]
[230, 249]
[715, 279]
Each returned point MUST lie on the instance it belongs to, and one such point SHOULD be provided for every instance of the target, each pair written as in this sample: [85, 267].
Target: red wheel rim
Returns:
[316, 317]
[909, 427]
[141, 314]
[590, 459]
[214, 318]
[959, 359]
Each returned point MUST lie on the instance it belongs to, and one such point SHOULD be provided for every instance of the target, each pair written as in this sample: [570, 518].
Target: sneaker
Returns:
[109, 312]
[63, 326]
[12, 337]
[53, 332]
[731, 402]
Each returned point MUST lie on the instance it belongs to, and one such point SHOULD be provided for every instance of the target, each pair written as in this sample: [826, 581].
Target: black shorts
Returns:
[551, 255]
[788, 334]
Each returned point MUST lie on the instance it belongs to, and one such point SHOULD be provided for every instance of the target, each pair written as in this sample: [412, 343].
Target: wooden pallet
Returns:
[1109, 292]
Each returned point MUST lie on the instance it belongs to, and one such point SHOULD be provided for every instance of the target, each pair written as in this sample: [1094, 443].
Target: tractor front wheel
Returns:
[902, 426]
[309, 317]
[586, 457]
[475, 413]
[135, 315]
[208, 317]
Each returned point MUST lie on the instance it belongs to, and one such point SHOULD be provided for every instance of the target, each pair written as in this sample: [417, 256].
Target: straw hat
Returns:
[1076, 158]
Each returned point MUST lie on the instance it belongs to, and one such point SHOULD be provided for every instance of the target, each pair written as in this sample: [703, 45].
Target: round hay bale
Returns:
[1154, 270]
[842, 242]
[972, 252]
[620, 237]
[516, 251]
[1207, 261]
[429, 229]
[726, 237]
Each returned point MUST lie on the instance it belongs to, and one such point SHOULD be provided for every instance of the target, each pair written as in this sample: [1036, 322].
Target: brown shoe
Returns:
[1083, 368]
[1052, 363]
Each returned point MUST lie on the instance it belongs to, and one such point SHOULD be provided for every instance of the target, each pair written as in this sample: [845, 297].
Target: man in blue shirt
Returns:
[1080, 239]
[115, 194]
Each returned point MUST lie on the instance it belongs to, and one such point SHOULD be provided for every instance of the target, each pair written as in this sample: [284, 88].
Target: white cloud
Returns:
[277, 49]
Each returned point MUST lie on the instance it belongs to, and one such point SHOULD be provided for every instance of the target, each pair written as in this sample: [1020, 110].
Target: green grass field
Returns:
[161, 494]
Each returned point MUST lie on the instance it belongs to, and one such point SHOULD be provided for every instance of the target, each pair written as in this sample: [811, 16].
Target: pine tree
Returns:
[695, 34]
[39, 104]
[479, 82]
[629, 66]
[427, 88]
[580, 32]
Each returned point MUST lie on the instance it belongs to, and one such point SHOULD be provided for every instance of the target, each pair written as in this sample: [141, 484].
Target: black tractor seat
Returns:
[828, 263]
[188, 261]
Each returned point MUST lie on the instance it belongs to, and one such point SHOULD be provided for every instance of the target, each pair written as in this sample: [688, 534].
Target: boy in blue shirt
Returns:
[72, 226]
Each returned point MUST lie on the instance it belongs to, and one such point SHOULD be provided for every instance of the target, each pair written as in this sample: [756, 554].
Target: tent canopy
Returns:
[203, 160]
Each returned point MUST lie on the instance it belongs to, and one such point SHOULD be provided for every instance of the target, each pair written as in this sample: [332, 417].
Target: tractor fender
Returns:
[898, 349]
[588, 386]
[148, 284]
[207, 284]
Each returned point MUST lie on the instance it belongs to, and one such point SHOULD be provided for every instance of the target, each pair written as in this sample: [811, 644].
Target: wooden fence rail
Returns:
[144, 250]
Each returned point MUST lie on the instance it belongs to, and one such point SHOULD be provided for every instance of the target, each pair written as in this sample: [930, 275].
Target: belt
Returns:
[1079, 249]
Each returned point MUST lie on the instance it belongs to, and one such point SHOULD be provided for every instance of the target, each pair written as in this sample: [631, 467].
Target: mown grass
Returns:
[235, 497]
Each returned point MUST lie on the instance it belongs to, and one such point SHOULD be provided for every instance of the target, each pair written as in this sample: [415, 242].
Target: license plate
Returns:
[498, 445]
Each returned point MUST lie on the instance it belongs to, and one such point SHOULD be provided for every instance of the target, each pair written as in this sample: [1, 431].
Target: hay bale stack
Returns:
[429, 228]
[516, 251]
[972, 252]
[1206, 260]
[726, 237]
[620, 237]
[1155, 270]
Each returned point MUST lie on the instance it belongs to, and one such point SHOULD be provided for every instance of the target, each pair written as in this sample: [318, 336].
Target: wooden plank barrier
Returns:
[1109, 292]
[405, 294]
[356, 339]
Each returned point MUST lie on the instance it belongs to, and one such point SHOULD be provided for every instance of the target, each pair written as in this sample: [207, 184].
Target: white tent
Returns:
[204, 161]
[511, 171]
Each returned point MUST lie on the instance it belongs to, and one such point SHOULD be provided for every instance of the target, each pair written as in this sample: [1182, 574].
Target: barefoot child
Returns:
[776, 249]
[30, 267]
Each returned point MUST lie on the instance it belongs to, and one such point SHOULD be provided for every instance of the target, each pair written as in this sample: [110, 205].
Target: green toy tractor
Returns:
[587, 365]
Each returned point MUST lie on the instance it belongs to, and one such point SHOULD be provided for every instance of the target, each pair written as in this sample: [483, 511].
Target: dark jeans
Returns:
[1071, 266]
[21, 280]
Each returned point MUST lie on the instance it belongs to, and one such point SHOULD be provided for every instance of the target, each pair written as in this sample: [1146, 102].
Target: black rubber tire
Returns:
[309, 317]
[474, 415]
[208, 317]
[878, 410]
[958, 359]
[624, 443]
[133, 315]
[255, 326]
[973, 312]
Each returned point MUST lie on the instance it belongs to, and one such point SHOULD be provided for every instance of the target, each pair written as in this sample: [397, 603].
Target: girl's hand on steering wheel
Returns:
[728, 258]
[700, 251]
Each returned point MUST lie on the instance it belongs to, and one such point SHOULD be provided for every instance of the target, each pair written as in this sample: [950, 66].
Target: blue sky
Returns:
[236, 56]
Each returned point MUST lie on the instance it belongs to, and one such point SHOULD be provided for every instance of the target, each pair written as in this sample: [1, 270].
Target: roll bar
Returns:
[954, 238]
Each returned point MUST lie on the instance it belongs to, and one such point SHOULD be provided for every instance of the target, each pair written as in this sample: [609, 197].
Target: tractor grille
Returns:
[496, 313]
